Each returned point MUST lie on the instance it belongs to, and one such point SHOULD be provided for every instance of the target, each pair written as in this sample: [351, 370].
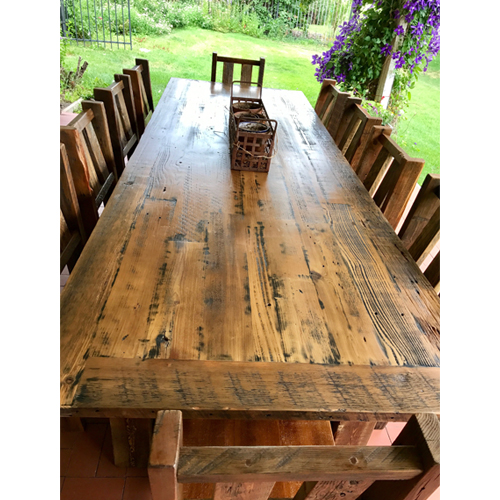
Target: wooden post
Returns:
[386, 78]
[164, 457]
[131, 441]
[422, 431]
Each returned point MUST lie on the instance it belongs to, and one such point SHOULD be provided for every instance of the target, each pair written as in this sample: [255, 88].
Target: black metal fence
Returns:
[96, 21]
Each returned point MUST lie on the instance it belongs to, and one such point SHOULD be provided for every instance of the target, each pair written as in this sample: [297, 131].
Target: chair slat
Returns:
[227, 73]
[246, 73]
[121, 118]
[90, 156]
[389, 174]
[142, 93]
[73, 236]
[427, 239]
[433, 273]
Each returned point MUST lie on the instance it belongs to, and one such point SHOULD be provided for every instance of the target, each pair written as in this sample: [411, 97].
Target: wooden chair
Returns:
[420, 231]
[73, 236]
[91, 159]
[246, 69]
[408, 469]
[331, 104]
[354, 131]
[142, 92]
[388, 173]
[120, 113]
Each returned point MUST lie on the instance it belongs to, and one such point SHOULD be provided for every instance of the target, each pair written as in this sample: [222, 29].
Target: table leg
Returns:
[353, 433]
[164, 458]
[131, 441]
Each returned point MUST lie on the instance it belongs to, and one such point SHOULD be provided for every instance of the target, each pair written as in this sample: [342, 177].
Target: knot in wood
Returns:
[353, 460]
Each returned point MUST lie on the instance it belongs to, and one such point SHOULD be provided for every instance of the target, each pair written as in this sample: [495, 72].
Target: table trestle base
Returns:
[409, 469]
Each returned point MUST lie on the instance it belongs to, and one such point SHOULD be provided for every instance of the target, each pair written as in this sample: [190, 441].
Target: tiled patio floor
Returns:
[88, 472]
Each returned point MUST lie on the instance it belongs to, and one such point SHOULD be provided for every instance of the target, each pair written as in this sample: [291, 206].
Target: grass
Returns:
[419, 134]
[186, 53]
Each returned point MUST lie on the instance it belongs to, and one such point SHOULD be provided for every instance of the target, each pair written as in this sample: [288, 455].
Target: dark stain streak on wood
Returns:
[160, 340]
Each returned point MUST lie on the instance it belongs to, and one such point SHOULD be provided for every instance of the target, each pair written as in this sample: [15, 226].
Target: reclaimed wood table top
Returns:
[275, 295]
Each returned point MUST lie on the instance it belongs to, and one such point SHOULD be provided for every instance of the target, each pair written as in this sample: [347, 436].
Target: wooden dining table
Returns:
[242, 298]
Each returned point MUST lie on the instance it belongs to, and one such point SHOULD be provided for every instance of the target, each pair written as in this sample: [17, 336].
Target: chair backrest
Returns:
[91, 159]
[73, 236]
[330, 106]
[388, 173]
[142, 92]
[120, 112]
[420, 231]
[354, 131]
[407, 470]
[228, 69]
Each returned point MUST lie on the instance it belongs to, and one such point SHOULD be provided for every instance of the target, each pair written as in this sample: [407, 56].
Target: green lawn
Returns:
[187, 53]
[418, 135]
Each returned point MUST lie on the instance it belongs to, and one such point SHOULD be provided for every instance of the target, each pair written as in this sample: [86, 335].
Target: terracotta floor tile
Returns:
[106, 467]
[137, 488]
[379, 438]
[394, 428]
[100, 488]
[137, 472]
[68, 439]
[86, 452]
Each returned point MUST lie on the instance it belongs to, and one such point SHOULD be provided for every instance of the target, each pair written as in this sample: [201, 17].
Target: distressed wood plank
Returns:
[164, 457]
[214, 389]
[303, 463]
[199, 262]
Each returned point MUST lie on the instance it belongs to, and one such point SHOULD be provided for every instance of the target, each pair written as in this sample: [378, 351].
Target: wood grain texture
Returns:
[203, 263]
[164, 457]
[243, 491]
[232, 432]
[303, 463]
[217, 389]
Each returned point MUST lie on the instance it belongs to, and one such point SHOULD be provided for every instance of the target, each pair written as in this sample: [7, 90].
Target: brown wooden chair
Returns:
[142, 92]
[388, 173]
[73, 236]
[420, 231]
[246, 69]
[91, 159]
[408, 469]
[120, 112]
[331, 104]
[354, 131]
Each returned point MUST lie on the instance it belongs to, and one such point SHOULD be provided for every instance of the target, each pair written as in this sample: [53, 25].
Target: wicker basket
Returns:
[251, 134]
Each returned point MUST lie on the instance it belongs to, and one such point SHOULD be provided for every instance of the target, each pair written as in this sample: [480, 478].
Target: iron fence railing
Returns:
[96, 21]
